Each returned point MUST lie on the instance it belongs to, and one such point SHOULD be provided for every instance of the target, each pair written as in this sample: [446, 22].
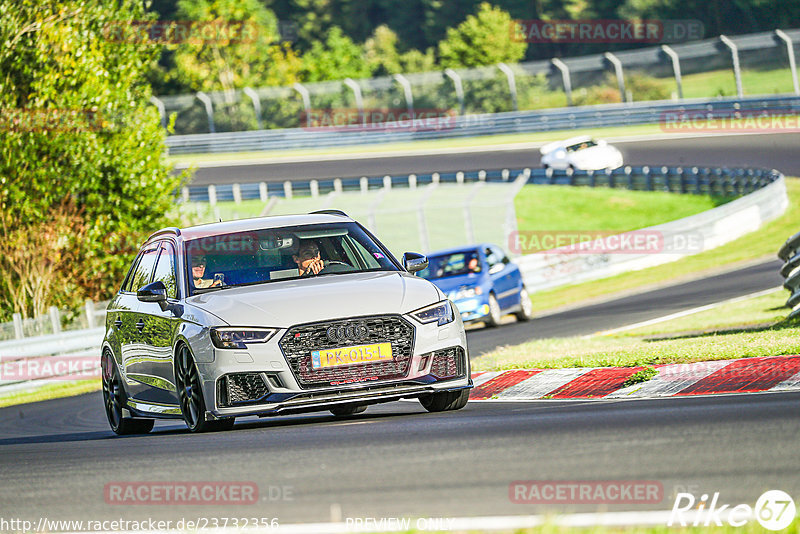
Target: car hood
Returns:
[454, 282]
[286, 303]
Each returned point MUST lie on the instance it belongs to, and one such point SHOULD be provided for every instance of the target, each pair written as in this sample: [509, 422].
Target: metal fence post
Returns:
[300, 88]
[19, 332]
[512, 83]
[287, 189]
[614, 60]
[435, 178]
[363, 184]
[453, 75]
[206, 100]
[256, 105]
[237, 193]
[212, 195]
[565, 78]
[161, 110]
[349, 82]
[262, 192]
[460, 178]
[737, 71]
[403, 81]
[337, 185]
[91, 321]
[314, 185]
[387, 182]
[790, 50]
[55, 319]
[412, 181]
[676, 68]
[185, 194]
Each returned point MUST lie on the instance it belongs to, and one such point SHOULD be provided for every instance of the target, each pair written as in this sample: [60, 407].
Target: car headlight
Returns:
[441, 312]
[238, 338]
[465, 292]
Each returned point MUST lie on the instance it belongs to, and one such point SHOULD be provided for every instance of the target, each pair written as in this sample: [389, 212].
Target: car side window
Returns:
[499, 254]
[128, 282]
[144, 269]
[165, 270]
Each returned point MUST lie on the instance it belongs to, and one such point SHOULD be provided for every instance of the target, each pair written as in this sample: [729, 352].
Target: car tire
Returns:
[114, 400]
[445, 401]
[190, 396]
[348, 409]
[495, 315]
[526, 308]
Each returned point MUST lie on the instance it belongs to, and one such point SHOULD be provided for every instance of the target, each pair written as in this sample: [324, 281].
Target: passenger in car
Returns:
[199, 270]
[308, 259]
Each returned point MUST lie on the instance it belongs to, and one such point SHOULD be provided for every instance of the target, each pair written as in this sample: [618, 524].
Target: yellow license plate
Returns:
[351, 355]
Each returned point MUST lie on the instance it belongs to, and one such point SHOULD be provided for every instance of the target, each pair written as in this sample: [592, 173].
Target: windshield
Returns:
[263, 256]
[457, 263]
[582, 146]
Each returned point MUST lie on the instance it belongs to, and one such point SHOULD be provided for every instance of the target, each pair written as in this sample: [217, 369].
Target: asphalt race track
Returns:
[776, 151]
[630, 310]
[57, 458]
[394, 460]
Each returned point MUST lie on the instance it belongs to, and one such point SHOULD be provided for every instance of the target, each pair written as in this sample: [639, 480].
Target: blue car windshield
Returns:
[455, 264]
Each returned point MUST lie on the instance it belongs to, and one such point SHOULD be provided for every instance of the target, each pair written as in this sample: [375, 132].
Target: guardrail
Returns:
[790, 253]
[658, 112]
[677, 179]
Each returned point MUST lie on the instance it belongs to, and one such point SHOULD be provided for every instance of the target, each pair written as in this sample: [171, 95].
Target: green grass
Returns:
[51, 391]
[722, 83]
[746, 328]
[762, 243]
[753, 312]
[547, 207]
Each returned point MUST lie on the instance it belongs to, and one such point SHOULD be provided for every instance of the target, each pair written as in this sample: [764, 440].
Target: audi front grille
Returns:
[299, 341]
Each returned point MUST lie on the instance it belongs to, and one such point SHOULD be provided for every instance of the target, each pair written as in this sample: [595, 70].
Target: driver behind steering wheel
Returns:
[308, 259]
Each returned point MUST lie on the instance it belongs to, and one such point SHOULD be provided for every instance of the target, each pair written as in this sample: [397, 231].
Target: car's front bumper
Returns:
[286, 395]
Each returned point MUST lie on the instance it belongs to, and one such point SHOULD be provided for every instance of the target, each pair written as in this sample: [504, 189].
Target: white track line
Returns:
[684, 313]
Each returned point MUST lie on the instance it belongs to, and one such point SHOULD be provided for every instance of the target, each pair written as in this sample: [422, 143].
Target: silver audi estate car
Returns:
[276, 315]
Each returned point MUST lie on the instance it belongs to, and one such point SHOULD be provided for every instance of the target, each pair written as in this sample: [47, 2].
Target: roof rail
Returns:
[167, 230]
[330, 212]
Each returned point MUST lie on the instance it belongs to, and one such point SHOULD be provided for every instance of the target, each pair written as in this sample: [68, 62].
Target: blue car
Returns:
[481, 281]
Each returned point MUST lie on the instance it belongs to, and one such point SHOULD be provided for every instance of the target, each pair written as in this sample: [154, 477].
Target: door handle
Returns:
[118, 322]
[140, 325]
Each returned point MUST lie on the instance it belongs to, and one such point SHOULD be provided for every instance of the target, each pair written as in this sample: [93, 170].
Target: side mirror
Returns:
[153, 292]
[413, 262]
[496, 268]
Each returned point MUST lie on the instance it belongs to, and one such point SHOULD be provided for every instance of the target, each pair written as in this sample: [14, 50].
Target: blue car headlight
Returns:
[465, 292]
[441, 312]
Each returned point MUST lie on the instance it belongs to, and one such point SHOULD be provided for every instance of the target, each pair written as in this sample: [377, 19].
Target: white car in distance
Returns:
[580, 153]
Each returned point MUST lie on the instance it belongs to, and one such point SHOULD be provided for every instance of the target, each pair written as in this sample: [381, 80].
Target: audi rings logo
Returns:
[348, 332]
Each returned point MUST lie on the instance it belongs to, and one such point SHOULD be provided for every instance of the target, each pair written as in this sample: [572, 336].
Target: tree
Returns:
[337, 58]
[81, 150]
[244, 52]
[482, 39]
[383, 57]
